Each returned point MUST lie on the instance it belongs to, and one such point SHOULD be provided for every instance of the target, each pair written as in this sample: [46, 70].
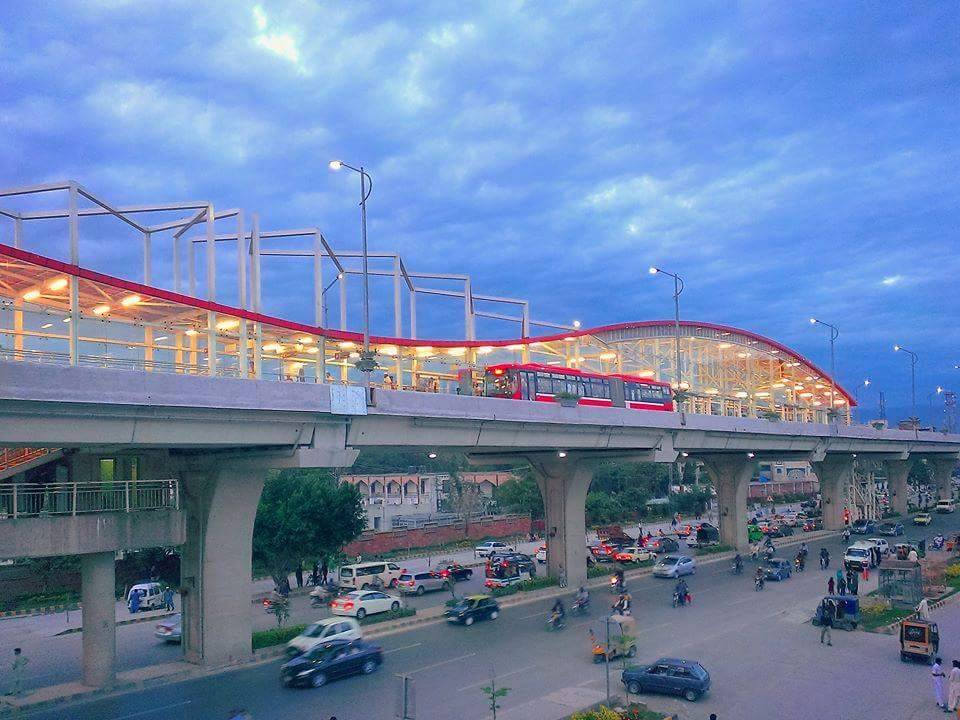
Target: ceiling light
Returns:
[561, 453]
[761, 394]
[306, 340]
[806, 394]
[101, 309]
[608, 356]
[750, 454]
[346, 345]
[424, 350]
[273, 347]
[457, 351]
[313, 350]
[67, 319]
[514, 347]
[432, 456]
[724, 346]
[711, 391]
[777, 385]
[130, 300]
[685, 454]
[569, 339]
[46, 325]
[191, 332]
[228, 324]
[741, 394]
[58, 284]
[162, 337]
[484, 350]
[31, 294]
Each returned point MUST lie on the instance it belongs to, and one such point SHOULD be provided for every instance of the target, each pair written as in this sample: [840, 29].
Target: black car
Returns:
[780, 531]
[449, 568]
[524, 563]
[473, 608]
[662, 544]
[329, 661]
[670, 676]
[893, 529]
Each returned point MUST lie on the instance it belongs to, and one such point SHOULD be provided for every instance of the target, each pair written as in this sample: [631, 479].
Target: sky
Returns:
[787, 159]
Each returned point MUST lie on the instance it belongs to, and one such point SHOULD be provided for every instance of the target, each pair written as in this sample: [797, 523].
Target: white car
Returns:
[882, 544]
[490, 547]
[361, 603]
[673, 566]
[323, 631]
[634, 553]
[945, 506]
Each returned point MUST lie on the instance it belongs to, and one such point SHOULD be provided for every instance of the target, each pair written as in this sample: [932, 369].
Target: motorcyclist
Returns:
[803, 550]
[557, 614]
[583, 598]
[799, 561]
[737, 564]
[758, 578]
[824, 558]
[618, 582]
[770, 551]
[846, 535]
[680, 592]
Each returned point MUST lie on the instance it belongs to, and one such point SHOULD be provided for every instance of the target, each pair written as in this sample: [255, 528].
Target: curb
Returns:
[891, 629]
[129, 621]
[42, 610]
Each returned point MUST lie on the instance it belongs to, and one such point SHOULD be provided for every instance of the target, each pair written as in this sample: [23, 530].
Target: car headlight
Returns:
[304, 673]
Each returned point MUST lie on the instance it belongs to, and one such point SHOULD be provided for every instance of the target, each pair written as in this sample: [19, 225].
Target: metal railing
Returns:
[18, 500]
[9, 457]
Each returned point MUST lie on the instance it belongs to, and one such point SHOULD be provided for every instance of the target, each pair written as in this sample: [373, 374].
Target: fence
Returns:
[19, 500]
[17, 456]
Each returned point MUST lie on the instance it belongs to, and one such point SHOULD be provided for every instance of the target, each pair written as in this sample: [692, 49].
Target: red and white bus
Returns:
[532, 381]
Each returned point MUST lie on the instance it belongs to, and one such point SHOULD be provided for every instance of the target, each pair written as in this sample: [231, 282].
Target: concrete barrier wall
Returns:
[370, 544]
[96, 532]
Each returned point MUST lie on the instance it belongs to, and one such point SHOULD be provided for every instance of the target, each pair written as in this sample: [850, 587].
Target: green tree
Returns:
[520, 494]
[603, 509]
[493, 694]
[304, 514]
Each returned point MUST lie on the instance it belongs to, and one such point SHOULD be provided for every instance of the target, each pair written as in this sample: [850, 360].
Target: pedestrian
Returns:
[853, 584]
[673, 523]
[839, 575]
[168, 598]
[938, 675]
[17, 670]
[842, 587]
[299, 573]
[826, 623]
[324, 570]
[830, 586]
[134, 602]
[954, 687]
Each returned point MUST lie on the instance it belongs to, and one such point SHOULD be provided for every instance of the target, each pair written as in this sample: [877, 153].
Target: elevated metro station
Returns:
[53, 311]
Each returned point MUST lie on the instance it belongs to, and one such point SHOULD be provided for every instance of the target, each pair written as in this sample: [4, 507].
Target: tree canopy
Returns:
[304, 514]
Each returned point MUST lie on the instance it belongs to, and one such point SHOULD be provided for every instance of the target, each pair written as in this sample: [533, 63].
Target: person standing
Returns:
[853, 584]
[954, 687]
[168, 598]
[17, 671]
[826, 624]
[324, 570]
[938, 675]
[842, 587]
[830, 586]
[134, 602]
[299, 573]
[839, 575]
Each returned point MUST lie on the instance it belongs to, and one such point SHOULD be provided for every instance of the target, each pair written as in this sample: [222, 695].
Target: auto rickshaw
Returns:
[844, 609]
[623, 640]
[919, 640]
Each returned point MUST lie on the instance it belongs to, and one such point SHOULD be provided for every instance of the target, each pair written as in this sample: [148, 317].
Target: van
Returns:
[151, 596]
[945, 506]
[361, 575]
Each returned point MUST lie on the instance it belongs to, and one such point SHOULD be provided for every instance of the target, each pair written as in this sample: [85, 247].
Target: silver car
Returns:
[420, 582]
[673, 566]
[170, 629]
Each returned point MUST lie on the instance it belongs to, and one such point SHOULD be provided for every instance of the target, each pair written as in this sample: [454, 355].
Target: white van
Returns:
[946, 506]
[361, 576]
[151, 595]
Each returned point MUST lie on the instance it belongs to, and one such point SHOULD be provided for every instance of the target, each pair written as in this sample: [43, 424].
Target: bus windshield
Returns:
[502, 385]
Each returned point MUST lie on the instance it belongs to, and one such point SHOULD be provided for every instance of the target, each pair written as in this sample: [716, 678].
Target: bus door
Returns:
[528, 386]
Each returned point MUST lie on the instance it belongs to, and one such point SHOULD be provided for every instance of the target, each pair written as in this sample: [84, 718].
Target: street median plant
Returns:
[389, 615]
[712, 549]
[276, 636]
[537, 583]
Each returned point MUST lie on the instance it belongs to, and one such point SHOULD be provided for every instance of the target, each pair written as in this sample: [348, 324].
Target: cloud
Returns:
[892, 280]
[281, 43]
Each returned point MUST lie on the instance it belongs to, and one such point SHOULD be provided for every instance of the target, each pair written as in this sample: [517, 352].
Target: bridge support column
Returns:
[97, 578]
[897, 473]
[835, 474]
[221, 506]
[942, 469]
[731, 478]
[563, 484]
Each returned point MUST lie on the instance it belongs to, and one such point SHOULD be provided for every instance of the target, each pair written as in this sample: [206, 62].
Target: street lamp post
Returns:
[856, 392]
[677, 289]
[367, 363]
[834, 334]
[324, 293]
[913, 378]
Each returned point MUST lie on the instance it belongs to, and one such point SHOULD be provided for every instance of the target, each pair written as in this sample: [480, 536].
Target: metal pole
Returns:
[913, 383]
[676, 316]
[606, 659]
[366, 274]
[834, 333]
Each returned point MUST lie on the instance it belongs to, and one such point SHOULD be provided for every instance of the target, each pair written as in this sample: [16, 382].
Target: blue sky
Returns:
[787, 159]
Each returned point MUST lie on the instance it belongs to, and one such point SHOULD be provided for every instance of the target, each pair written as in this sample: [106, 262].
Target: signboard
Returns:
[347, 400]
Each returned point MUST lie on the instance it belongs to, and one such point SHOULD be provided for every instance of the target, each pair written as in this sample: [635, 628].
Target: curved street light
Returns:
[913, 377]
[834, 334]
[677, 289]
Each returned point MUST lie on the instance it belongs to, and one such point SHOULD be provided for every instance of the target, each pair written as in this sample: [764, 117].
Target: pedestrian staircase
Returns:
[17, 460]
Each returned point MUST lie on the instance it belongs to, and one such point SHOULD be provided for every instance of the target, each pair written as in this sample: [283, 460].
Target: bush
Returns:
[712, 550]
[276, 636]
[537, 583]
[952, 571]
[403, 612]
[601, 713]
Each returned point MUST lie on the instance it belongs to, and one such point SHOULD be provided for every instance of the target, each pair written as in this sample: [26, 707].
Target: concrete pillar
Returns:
[731, 479]
[98, 577]
[835, 473]
[563, 484]
[897, 473]
[221, 506]
[942, 469]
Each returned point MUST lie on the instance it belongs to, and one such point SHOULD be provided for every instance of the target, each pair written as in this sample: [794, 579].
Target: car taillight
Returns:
[348, 606]
[266, 602]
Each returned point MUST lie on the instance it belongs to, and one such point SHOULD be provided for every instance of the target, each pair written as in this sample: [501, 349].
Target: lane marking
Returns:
[515, 672]
[152, 710]
[438, 664]
[404, 647]
[536, 614]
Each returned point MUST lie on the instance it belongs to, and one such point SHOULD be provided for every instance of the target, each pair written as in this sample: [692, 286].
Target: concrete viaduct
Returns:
[220, 436]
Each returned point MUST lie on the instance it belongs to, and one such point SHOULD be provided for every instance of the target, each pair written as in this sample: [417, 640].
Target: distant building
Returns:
[775, 479]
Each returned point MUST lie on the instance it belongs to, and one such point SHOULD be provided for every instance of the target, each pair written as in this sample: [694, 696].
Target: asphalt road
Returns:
[762, 652]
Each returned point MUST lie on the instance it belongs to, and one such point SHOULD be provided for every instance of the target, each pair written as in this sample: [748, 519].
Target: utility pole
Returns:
[405, 703]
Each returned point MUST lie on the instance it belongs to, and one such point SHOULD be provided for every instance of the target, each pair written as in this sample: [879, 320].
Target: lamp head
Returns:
[896, 348]
[813, 321]
[335, 165]
[339, 276]
[653, 270]
[576, 324]
[866, 383]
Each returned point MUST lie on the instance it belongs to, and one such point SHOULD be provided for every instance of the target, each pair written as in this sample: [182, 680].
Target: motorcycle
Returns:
[616, 585]
[758, 584]
[737, 568]
[322, 594]
[580, 608]
[555, 622]
[275, 599]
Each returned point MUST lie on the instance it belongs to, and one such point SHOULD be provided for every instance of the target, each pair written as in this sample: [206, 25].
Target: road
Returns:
[762, 652]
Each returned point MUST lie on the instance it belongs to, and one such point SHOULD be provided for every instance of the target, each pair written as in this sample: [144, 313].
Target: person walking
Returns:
[324, 570]
[830, 586]
[853, 584]
[839, 575]
[953, 697]
[168, 598]
[826, 624]
[842, 587]
[938, 675]
[134, 602]
[17, 671]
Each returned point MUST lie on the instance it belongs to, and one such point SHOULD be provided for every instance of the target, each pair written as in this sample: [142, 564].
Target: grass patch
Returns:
[276, 636]
[537, 583]
[712, 550]
[875, 617]
[39, 600]
[389, 615]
